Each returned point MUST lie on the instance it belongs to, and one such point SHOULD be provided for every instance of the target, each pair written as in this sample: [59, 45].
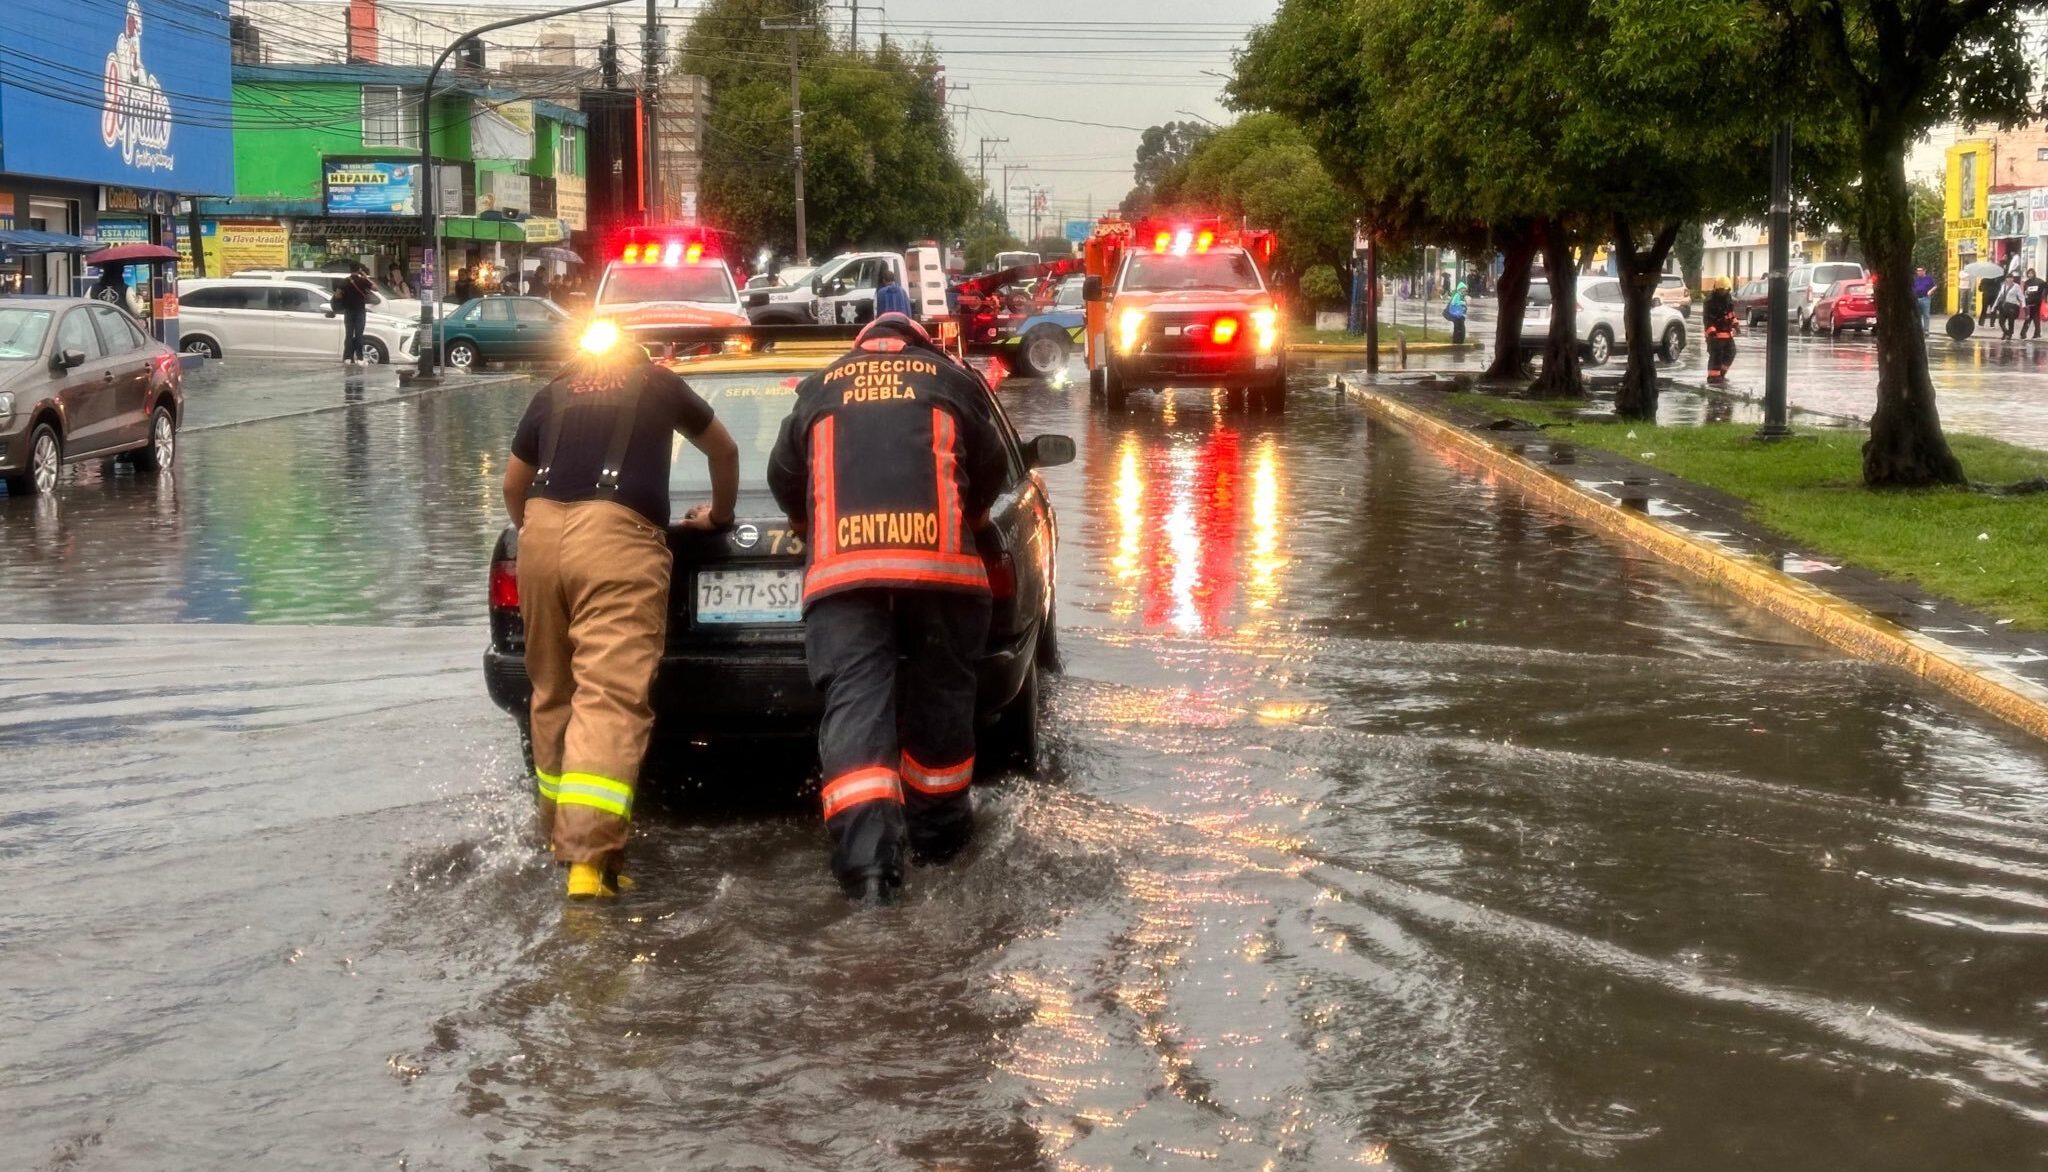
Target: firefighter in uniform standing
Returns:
[887, 460]
[587, 485]
[1718, 318]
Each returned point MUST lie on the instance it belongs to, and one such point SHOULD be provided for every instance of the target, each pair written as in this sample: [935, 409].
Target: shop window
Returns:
[566, 162]
[391, 117]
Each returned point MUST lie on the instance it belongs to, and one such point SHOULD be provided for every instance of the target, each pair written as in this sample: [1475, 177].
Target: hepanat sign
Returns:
[135, 113]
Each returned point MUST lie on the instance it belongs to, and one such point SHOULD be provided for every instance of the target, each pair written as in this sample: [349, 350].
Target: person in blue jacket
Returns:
[890, 297]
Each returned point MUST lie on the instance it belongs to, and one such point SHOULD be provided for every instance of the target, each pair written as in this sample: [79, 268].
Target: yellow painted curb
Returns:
[2007, 695]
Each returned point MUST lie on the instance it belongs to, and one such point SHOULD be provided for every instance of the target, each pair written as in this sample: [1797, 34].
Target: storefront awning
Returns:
[29, 242]
[473, 228]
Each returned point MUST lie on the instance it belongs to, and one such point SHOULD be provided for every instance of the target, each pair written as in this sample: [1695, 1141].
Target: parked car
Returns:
[503, 329]
[257, 317]
[1037, 342]
[1600, 321]
[79, 380]
[1753, 302]
[1808, 283]
[1672, 294]
[404, 307]
[1847, 305]
[733, 668]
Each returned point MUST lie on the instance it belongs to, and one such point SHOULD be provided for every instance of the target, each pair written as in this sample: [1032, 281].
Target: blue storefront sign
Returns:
[371, 188]
[135, 94]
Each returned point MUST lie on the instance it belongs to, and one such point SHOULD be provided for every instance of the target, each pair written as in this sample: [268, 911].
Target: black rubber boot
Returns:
[877, 889]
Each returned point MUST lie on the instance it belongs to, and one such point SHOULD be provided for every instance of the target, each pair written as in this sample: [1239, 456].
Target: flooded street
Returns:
[1389, 821]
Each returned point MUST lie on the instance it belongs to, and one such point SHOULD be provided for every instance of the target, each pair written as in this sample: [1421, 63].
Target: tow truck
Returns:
[1181, 303]
[1023, 315]
[665, 276]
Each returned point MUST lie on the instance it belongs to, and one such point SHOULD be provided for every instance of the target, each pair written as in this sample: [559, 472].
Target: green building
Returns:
[327, 169]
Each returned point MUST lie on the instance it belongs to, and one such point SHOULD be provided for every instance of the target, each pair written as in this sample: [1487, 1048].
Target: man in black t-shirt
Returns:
[587, 485]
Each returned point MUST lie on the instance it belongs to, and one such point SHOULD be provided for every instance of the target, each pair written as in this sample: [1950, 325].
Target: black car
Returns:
[734, 665]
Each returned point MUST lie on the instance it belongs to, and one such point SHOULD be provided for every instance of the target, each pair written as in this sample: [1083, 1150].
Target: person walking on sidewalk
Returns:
[2034, 288]
[888, 461]
[2011, 298]
[1987, 299]
[1455, 310]
[1923, 292]
[587, 485]
[1717, 318]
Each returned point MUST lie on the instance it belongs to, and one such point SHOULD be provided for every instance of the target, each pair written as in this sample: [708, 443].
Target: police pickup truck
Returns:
[842, 290]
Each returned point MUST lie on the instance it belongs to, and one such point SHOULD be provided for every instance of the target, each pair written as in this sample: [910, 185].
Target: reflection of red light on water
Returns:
[1190, 574]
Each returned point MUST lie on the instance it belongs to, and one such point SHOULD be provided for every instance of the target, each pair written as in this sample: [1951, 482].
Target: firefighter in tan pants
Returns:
[587, 485]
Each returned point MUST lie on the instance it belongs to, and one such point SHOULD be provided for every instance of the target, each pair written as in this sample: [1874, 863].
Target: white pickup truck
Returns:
[842, 290]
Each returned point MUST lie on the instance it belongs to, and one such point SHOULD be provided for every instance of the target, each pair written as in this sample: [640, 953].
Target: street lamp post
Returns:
[429, 352]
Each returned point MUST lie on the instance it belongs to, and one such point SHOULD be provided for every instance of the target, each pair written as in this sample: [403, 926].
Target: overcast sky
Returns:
[1132, 63]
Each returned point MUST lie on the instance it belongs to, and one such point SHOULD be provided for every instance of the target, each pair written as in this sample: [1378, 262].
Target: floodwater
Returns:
[1389, 821]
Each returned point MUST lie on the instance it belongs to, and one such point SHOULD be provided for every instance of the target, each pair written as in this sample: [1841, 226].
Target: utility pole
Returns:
[984, 159]
[651, 103]
[1007, 168]
[1781, 259]
[796, 123]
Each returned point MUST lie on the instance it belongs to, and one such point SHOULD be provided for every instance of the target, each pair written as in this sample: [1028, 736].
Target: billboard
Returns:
[368, 187]
[134, 94]
[501, 130]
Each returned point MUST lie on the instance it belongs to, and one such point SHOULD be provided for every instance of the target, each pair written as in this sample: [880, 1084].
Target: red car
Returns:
[1847, 305]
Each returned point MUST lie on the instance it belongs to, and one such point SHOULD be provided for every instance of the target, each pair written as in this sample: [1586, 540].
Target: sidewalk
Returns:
[228, 392]
[1956, 647]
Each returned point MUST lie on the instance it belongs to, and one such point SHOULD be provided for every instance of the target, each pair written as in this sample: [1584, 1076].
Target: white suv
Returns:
[1600, 321]
[405, 307]
[254, 317]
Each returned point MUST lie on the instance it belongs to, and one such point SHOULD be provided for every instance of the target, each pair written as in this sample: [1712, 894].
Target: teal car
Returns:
[1038, 342]
[503, 329]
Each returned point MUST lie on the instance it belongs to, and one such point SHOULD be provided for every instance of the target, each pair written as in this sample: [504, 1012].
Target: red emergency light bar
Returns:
[653, 244]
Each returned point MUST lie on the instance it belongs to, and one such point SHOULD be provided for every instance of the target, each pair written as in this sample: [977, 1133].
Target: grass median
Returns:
[1987, 550]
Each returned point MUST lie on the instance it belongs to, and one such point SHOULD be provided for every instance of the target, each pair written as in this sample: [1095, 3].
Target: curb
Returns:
[1385, 347]
[2012, 698]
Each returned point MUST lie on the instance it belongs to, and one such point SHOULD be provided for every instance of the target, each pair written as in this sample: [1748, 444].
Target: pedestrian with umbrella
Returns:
[1987, 277]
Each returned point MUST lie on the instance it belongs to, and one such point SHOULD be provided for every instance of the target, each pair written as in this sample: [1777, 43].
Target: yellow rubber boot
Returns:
[586, 881]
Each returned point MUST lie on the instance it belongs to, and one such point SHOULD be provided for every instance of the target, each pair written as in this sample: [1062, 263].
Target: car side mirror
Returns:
[1049, 451]
[1091, 289]
[329, 311]
[66, 359]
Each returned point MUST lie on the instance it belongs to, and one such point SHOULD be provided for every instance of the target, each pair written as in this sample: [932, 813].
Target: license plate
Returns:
[1266, 362]
[750, 596]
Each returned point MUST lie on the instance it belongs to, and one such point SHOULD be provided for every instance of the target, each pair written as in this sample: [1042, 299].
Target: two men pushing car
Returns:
[887, 460]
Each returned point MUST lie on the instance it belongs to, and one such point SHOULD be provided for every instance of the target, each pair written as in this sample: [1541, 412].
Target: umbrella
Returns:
[1983, 270]
[128, 254]
[565, 255]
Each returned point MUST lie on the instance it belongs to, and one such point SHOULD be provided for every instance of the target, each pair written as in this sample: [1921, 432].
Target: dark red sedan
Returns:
[1847, 305]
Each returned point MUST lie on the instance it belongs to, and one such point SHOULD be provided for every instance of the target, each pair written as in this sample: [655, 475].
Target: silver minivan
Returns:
[1808, 283]
[253, 317]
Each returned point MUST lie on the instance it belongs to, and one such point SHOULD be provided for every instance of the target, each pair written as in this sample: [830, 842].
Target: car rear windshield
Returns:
[21, 332]
[1202, 270]
[1539, 293]
[1829, 274]
[626, 284]
[752, 405]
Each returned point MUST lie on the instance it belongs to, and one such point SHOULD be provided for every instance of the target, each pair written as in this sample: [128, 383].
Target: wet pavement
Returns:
[1983, 386]
[1389, 821]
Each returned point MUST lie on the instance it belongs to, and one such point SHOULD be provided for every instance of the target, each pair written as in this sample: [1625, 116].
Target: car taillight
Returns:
[1002, 575]
[1223, 331]
[505, 585]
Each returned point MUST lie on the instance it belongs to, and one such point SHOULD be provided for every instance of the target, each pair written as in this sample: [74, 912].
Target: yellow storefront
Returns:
[1966, 232]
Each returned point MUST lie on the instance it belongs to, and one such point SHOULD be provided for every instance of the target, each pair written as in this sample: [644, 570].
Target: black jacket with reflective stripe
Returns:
[889, 458]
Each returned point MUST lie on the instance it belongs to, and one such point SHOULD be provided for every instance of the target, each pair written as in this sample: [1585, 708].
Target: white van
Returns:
[1808, 283]
[256, 317]
[405, 307]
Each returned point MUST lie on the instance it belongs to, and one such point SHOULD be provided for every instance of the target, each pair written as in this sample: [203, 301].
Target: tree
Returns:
[1902, 67]
[1261, 170]
[1162, 150]
[879, 165]
[1930, 241]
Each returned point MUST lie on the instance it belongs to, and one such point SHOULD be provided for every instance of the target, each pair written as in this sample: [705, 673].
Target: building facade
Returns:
[111, 116]
[328, 171]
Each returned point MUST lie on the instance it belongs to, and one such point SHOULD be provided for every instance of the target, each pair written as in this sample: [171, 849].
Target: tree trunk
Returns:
[1518, 254]
[1559, 378]
[1640, 272]
[1906, 448]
